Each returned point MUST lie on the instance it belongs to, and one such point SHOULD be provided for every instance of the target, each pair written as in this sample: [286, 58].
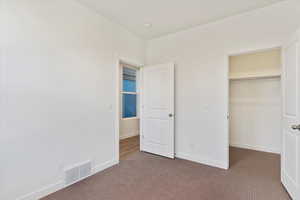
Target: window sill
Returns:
[129, 118]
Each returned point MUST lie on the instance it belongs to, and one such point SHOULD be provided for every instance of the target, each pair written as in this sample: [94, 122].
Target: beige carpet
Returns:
[253, 176]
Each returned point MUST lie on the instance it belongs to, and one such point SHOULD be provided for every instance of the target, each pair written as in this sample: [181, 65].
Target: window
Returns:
[129, 93]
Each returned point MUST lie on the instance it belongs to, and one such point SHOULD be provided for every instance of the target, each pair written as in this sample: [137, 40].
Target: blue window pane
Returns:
[129, 105]
[129, 80]
[129, 86]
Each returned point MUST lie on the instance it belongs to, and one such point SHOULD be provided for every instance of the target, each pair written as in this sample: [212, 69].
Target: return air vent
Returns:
[85, 170]
[78, 172]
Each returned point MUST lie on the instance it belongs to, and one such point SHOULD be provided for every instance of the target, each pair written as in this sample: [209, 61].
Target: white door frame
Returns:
[118, 102]
[227, 61]
[289, 184]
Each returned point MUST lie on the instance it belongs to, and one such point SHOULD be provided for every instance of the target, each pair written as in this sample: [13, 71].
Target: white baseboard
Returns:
[201, 160]
[101, 167]
[256, 148]
[128, 135]
[49, 189]
[44, 191]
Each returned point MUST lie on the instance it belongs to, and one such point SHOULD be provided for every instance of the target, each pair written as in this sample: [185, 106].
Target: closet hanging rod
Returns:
[254, 77]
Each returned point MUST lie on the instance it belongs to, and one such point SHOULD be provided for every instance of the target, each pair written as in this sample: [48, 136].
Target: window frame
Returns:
[137, 69]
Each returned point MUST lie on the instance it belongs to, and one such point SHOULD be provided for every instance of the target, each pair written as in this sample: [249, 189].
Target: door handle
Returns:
[170, 115]
[296, 127]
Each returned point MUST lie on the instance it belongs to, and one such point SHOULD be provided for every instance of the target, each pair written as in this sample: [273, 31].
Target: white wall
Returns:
[255, 114]
[201, 61]
[129, 128]
[58, 96]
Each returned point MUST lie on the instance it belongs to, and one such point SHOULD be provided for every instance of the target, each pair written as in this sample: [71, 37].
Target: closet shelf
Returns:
[254, 76]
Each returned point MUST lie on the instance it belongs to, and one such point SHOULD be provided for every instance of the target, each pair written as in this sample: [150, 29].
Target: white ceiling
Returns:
[168, 16]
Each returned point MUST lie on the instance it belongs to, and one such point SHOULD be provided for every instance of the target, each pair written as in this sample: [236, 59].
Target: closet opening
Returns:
[254, 104]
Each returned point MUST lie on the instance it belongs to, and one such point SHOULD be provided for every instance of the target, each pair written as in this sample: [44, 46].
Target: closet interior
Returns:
[255, 100]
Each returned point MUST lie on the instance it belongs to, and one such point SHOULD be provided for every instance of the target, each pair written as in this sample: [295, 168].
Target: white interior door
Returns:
[157, 109]
[290, 168]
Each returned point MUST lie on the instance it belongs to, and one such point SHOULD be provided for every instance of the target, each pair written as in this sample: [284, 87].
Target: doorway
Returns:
[145, 110]
[255, 107]
[129, 142]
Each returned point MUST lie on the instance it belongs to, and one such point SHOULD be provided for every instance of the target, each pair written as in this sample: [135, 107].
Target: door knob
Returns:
[296, 127]
[170, 115]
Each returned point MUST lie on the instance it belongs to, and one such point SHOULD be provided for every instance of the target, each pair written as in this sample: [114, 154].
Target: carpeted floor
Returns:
[253, 176]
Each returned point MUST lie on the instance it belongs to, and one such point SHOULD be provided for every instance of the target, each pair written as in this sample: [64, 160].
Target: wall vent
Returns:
[85, 170]
[77, 172]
